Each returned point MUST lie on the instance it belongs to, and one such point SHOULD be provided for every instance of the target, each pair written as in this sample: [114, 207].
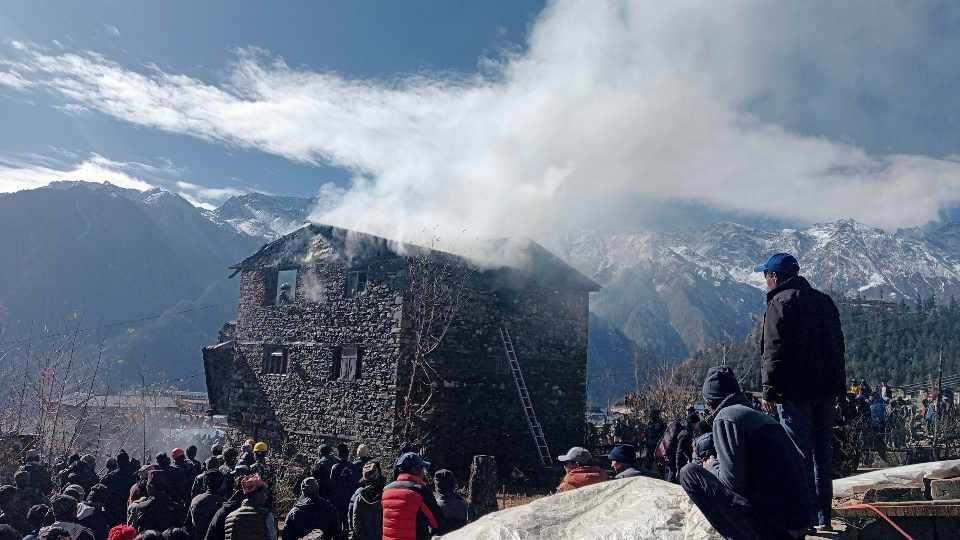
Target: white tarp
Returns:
[908, 474]
[633, 508]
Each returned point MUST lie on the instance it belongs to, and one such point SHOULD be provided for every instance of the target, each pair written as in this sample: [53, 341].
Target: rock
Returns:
[894, 494]
[945, 489]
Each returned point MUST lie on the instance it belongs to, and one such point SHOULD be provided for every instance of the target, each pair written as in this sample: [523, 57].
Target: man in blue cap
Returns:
[623, 459]
[749, 492]
[803, 371]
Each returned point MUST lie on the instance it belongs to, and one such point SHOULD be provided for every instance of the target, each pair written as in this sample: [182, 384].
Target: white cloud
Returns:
[14, 80]
[208, 194]
[113, 30]
[16, 175]
[611, 104]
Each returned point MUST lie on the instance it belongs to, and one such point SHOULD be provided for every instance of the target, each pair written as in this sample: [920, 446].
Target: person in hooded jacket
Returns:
[205, 505]
[312, 512]
[139, 489]
[366, 512]
[64, 509]
[181, 472]
[93, 514]
[199, 483]
[580, 470]
[158, 510]
[35, 519]
[455, 512]
[751, 493]
[118, 489]
[216, 529]
[410, 510]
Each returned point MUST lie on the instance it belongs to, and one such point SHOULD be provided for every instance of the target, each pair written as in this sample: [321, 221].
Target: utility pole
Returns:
[936, 428]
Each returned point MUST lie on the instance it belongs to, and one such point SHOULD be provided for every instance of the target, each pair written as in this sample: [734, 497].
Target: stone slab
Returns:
[894, 494]
[945, 489]
[942, 508]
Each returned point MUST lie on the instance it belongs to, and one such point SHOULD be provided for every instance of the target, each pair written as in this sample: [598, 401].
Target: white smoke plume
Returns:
[612, 107]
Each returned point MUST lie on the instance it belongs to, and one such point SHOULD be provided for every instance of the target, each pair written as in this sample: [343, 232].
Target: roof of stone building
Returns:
[513, 258]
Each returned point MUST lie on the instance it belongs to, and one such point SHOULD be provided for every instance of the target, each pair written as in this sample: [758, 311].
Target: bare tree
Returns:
[433, 299]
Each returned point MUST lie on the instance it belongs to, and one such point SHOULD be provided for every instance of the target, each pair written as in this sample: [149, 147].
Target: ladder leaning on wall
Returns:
[536, 430]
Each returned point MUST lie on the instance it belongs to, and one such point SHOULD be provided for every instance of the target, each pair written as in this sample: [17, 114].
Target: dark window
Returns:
[356, 282]
[275, 359]
[347, 362]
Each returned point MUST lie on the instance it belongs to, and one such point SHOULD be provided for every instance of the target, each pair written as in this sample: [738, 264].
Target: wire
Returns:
[111, 324]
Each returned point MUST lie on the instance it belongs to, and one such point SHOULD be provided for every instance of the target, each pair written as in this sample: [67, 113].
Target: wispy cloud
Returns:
[20, 174]
[610, 105]
[12, 79]
[113, 30]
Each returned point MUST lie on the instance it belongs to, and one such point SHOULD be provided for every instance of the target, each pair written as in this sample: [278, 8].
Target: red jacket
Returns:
[582, 476]
[408, 509]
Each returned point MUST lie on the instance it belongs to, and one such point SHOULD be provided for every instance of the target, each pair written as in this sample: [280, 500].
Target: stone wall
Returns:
[308, 404]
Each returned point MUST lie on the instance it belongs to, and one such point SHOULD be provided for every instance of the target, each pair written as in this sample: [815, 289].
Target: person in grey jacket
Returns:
[365, 511]
[752, 493]
[623, 459]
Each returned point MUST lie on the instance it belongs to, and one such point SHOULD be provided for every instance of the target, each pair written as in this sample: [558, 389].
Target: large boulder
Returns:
[632, 508]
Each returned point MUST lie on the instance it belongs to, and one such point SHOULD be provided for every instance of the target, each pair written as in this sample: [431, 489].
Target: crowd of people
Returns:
[230, 496]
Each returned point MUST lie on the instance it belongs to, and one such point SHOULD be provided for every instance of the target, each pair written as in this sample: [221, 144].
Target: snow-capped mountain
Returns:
[675, 293]
[270, 217]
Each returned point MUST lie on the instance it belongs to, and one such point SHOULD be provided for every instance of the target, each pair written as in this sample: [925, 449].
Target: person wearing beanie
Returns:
[803, 372]
[344, 478]
[579, 470]
[363, 456]
[35, 518]
[118, 489]
[312, 512]
[623, 460]
[204, 505]
[322, 468]
[181, 476]
[410, 510]
[365, 512]
[229, 456]
[76, 491]
[453, 508]
[122, 532]
[157, 511]
[64, 509]
[216, 529]
[192, 458]
[253, 520]
[751, 493]
[92, 513]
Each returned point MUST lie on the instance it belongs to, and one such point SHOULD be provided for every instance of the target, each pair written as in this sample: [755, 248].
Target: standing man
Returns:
[803, 371]
[410, 510]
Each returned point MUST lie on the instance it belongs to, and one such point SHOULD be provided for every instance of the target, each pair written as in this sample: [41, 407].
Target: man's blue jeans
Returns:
[809, 423]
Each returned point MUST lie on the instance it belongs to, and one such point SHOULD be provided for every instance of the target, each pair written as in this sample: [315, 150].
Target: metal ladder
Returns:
[536, 430]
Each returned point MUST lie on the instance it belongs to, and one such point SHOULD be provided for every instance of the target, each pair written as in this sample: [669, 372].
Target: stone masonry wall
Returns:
[310, 406]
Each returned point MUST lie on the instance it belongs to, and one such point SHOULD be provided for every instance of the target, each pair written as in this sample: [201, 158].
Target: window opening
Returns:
[347, 363]
[287, 287]
[356, 282]
[275, 359]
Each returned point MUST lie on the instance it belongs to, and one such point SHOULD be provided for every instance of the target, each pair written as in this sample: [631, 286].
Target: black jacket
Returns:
[801, 344]
[309, 514]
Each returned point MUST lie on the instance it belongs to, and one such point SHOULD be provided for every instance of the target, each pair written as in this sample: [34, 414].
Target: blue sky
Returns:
[358, 38]
[497, 117]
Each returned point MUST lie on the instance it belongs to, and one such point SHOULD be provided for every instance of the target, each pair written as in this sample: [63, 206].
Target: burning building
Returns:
[329, 325]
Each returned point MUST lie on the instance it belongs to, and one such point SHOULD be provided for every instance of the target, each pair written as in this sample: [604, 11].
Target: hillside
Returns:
[897, 342]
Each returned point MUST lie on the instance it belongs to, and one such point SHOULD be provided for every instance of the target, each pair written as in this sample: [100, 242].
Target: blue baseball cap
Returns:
[783, 264]
[411, 461]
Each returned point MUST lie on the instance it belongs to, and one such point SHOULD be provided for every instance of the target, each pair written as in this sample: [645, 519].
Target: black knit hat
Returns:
[720, 383]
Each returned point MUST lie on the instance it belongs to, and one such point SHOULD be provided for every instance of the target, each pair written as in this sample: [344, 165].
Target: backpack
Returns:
[665, 441]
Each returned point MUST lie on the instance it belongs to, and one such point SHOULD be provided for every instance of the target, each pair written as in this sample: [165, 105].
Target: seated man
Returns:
[754, 490]
[580, 471]
[623, 459]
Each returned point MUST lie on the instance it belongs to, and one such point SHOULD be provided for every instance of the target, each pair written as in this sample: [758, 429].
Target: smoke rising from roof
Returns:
[612, 111]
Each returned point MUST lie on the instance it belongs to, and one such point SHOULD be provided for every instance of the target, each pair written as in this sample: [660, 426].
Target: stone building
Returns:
[328, 359]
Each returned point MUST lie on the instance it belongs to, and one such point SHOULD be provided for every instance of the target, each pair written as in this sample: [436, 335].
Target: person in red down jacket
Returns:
[409, 509]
